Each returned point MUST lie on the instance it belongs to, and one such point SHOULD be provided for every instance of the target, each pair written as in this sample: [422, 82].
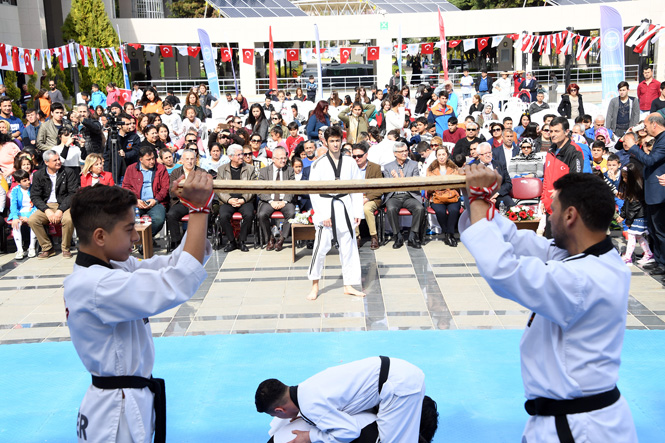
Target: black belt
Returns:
[560, 408]
[338, 197]
[383, 377]
[156, 386]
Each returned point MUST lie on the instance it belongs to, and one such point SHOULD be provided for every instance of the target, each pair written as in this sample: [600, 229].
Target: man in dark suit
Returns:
[484, 151]
[372, 199]
[411, 200]
[483, 83]
[305, 202]
[654, 192]
[269, 203]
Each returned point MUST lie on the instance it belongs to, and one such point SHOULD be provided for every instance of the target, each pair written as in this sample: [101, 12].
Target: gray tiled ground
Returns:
[437, 287]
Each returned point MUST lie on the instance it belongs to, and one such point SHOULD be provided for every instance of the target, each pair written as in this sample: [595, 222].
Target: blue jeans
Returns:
[447, 215]
[158, 214]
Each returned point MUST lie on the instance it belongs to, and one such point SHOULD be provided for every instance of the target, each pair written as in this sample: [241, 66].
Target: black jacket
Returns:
[66, 185]
[93, 136]
[631, 210]
[490, 81]
[129, 144]
[565, 108]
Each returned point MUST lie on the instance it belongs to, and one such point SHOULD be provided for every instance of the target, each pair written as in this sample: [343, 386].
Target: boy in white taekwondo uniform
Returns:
[109, 298]
[331, 399]
[577, 287]
[335, 216]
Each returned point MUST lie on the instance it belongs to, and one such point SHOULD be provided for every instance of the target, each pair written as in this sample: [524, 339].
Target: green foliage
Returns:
[190, 9]
[89, 25]
[60, 79]
[14, 93]
[32, 89]
[493, 4]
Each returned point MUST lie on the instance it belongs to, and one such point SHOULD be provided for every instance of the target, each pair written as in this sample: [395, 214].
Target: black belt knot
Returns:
[338, 197]
[156, 386]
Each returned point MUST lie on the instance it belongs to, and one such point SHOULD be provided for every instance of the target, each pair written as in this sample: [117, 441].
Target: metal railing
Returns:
[330, 84]
[182, 87]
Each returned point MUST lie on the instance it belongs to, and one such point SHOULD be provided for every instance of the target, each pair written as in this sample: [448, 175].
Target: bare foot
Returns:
[350, 290]
[314, 293]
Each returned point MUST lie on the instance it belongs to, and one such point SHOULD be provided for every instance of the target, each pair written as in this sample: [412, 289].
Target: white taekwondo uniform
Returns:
[107, 314]
[571, 347]
[331, 400]
[281, 430]
[342, 209]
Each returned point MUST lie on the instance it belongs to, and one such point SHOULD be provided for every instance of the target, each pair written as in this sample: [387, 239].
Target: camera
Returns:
[639, 127]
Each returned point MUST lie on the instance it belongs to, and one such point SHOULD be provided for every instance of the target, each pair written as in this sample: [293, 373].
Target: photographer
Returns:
[128, 146]
[71, 150]
[90, 130]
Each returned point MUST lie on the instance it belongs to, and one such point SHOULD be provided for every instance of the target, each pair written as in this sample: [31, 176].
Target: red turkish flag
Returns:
[3, 55]
[513, 37]
[293, 55]
[344, 55]
[15, 59]
[124, 96]
[193, 51]
[482, 43]
[427, 48]
[248, 56]
[226, 54]
[373, 53]
[136, 46]
[454, 43]
[28, 62]
[108, 52]
[124, 55]
[166, 50]
[100, 56]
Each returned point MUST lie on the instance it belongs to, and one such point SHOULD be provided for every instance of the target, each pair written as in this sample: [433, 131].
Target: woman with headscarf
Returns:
[487, 114]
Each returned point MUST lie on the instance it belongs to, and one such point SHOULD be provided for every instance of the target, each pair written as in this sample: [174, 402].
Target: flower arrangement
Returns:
[520, 213]
[303, 218]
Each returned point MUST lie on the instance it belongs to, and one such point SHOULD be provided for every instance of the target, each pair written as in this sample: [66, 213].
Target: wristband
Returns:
[477, 193]
[193, 209]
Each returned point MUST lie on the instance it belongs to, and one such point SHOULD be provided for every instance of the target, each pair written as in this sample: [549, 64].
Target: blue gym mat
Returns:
[474, 375]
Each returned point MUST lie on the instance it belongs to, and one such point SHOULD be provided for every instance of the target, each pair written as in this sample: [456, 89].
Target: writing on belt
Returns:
[337, 197]
[156, 386]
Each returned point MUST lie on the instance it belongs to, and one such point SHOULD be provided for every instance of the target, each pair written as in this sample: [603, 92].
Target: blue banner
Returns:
[612, 63]
[209, 63]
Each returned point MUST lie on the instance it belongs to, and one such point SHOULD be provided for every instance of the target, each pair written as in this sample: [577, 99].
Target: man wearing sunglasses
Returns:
[462, 146]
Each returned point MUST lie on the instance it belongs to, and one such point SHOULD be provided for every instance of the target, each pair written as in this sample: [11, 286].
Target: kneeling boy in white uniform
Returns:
[108, 300]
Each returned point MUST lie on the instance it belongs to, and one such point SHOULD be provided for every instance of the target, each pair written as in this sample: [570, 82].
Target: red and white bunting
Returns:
[166, 51]
[482, 43]
[248, 56]
[635, 35]
[293, 55]
[641, 42]
[427, 48]
[593, 41]
[372, 53]
[344, 55]
[226, 54]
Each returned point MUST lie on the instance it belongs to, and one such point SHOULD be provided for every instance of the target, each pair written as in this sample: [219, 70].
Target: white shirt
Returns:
[382, 153]
[52, 198]
[73, 156]
[466, 83]
[321, 169]
[275, 172]
[395, 120]
[174, 123]
[508, 154]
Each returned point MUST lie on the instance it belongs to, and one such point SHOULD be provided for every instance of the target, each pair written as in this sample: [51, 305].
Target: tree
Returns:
[492, 4]
[14, 93]
[191, 9]
[89, 25]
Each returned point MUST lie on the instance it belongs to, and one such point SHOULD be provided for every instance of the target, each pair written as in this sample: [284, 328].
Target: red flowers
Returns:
[512, 216]
[522, 214]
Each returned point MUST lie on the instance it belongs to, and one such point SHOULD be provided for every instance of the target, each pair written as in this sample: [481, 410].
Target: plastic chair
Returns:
[526, 190]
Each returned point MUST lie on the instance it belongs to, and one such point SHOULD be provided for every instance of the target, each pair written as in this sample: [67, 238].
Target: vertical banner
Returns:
[233, 69]
[122, 60]
[399, 55]
[611, 51]
[319, 90]
[444, 46]
[271, 62]
[209, 63]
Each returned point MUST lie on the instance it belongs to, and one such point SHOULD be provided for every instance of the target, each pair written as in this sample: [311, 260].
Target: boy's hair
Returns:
[56, 106]
[311, 77]
[333, 131]
[592, 198]
[277, 130]
[459, 160]
[613, 158]
[99, 206]
[451, 121]
[30, 111]
[268, 394]
[598, 144]
[423, 120]
[19, 175]
[429, 420]
[293, 125]
[507, 119]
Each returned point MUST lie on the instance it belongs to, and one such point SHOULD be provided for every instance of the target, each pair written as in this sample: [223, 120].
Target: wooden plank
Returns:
[340, 186]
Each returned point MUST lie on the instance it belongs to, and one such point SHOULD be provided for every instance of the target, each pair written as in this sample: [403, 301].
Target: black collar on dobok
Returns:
[338, 171]
[600, 248]
[87, 260]
[293, 393]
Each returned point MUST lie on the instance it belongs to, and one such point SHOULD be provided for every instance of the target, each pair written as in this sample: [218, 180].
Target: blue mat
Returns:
[474, 375]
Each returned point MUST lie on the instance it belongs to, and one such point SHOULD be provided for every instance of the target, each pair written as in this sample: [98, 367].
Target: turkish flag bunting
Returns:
[293, 55]
[427, 48]
[124, 96]
[482, 43]
[101, 58]
[28, 62]
[513, 37]
[15, 59]
[166, 50]
[193, 51]
[136, 46]
[3, 56]
[109, 55]
[124, 55]
[226, 54]
[38, 53]
[248, 56]
[373, 53]
[344, 55]
[525, 42]
[627, 33]
[454, 43]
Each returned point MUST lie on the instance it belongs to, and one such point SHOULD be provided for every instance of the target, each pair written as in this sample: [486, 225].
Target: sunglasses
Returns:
[255, 141]
[471, 129]
[574, 89]
[246, 154]
[545, 130]
[434, 145]
[274, 119]
[191, 141]
[496, 130]
[358, 156]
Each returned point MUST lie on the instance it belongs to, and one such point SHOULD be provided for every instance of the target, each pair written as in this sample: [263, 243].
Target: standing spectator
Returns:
[48, 132]
[172, 121]
[466, 84]
[257, 123]
[654, 192]
[151, 102]
[395, 117]
[128, 148]
[502, 87]
[55, 94]
[311, 88]
[318, 119]
[647, 91]
[633, 213]
[43, 104]
[172, 99]
[423, 96]
[453, 100]
[571, 105]
[26, 96]
[93, 172]
[91, 130]
[531, 85]
[113, 94]
[411, 200]
[137, 93]
[483, 83]
[659, 102]
[192, 101]
[30, 131]
[358, 121]
[394, 81]
[149, 181]
[623, 111]
[539, 104]
[97, 99]
[21, 208]
[51, 193]
[69, 151]
[206, 100]
[15, 124]
[445, 203]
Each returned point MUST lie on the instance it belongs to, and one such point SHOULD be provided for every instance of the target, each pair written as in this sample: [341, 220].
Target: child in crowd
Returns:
[311, 89]
[613, 175]
[633, 213]
[173, 122]
[166, 158]
[276, 139]
[598, 161]
[21, 208]
[293, 139]
[191, 121]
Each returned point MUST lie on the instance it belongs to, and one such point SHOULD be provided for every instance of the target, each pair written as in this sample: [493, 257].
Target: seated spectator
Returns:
[152, 139]
[372, 199]
[603, 135]
[257, 122]
[150, 102]
[496, 129]
[530, 84]
[487, 114]
[476, 104]
[539, 104]
[149, 181]
[166, 158]
[244, 107]
[177, 210]
[503, 194]
[30, 131]
[165, 137]
[248, 157]
[297, 117]
[69, 150]
[53, 206]
[356, 119]
[15, 129]
[48, 132]
[543, 142]
[173, 122]
[526, 163]
[276, 139]
[93, 172]
[269, 203]
[8, 151]
[319, 118]
[508, 149]
[411, 200]
[293, 139]
[445, 203]
[214, 161]
[25, 162]
[137, 93]
[453, 134]
[598, 122]
[192, 122]
[598, 161]
[462, 146]
[440, 108]
[301, 173]
[236, 169]
[21, 208]
[525, 120]
[190, 137]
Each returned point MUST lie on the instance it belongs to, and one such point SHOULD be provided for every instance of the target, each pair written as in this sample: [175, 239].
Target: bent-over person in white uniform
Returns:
[335, 216]
[331, 400]
[576, 286]
[110, 296]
